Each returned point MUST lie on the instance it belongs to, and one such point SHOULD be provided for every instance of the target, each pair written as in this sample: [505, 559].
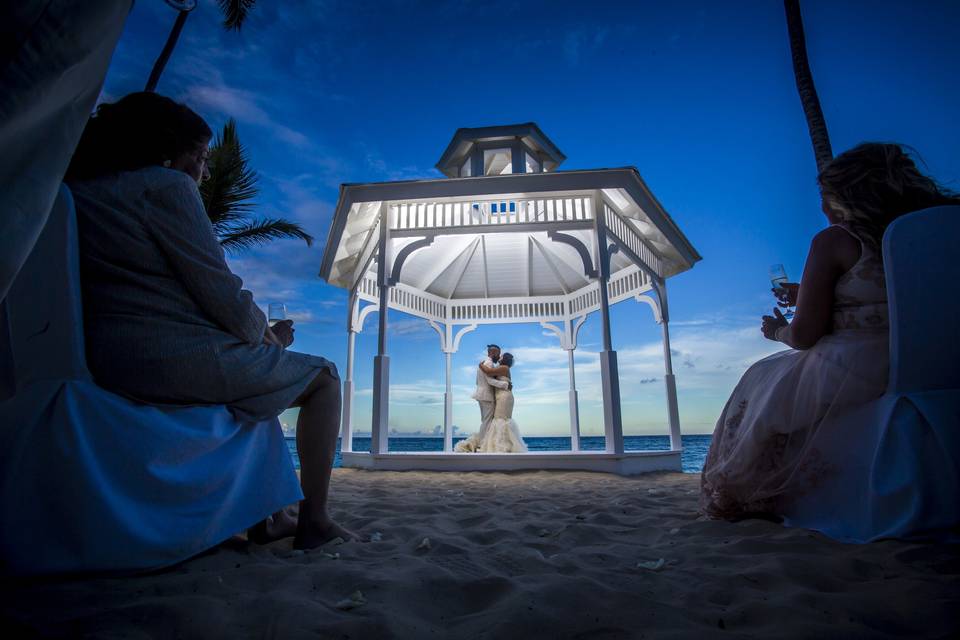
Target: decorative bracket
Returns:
[657, 303]
[575, 330]
[588, 268]
[654, 305]
[612, 248]
[459, 334]
[568, 334]
[560, 333]
[660, 286]
[441, 331]
[403, 255]
[362, 316]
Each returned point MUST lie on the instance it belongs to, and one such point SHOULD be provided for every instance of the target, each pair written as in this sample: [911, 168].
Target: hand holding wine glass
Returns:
[785, 291]
[276, 311]
[787, 294]
[279, 326]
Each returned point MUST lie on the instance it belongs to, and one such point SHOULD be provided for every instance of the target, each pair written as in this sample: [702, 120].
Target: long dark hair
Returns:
[139, 130]
[506, 359]
[873, 184]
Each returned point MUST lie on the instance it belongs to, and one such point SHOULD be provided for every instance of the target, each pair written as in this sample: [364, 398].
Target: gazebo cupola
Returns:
[498, 151]
[505, 239]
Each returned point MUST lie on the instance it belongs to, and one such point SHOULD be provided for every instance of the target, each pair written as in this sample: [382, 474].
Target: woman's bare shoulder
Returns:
[836, 244]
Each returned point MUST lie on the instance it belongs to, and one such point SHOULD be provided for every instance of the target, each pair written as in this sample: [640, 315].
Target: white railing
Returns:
[622, 285]
[492, 312]
[489, 212]
[585, 300]
[625, 232]
[406, 299]
[626, 284]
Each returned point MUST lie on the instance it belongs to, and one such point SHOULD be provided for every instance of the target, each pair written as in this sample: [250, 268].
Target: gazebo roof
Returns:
[529, 133]
[477, 261]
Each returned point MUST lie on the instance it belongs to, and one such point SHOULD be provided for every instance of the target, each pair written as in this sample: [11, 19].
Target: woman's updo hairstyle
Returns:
[140, 130]
[506, 359]
[874, 183]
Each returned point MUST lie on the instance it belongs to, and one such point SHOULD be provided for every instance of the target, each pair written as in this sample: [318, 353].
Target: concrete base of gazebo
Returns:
[626, 464]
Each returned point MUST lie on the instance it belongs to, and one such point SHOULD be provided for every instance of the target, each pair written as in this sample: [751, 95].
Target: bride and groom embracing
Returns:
[498, 432]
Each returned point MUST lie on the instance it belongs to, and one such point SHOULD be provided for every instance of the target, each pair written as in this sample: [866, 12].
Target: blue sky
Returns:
[699, 96]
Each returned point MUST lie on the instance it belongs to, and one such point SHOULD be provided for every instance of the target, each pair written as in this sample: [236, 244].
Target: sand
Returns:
[532, 555]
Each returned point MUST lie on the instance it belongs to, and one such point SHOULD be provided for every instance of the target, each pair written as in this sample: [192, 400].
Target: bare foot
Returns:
[313, 535]
[757, 515]
[281, 524]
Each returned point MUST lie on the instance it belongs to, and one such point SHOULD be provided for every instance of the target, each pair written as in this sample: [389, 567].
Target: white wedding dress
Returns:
[501, 435]
[765, 451]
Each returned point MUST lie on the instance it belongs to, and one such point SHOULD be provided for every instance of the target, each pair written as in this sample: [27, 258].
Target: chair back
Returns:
[44, 316]
[921, 256]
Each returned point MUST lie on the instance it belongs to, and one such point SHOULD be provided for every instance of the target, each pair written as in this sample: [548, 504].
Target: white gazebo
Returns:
[505, 238]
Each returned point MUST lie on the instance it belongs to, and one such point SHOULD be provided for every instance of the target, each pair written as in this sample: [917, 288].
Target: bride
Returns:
[501, 435]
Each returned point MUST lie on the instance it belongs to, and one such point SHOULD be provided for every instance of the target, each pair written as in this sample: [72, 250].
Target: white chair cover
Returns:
[91, 481]
[893, 466]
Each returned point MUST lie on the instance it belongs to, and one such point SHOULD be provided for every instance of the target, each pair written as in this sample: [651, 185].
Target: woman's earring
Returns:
[166, 163]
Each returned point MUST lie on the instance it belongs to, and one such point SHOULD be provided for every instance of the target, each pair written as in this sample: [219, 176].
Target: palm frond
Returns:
[229, 191]
[235, 12]
[256, 232]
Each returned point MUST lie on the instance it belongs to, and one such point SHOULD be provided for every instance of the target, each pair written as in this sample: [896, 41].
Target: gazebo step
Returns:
[627, 464]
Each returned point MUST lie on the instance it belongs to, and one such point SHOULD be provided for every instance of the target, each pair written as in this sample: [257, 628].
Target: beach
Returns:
[525, 555]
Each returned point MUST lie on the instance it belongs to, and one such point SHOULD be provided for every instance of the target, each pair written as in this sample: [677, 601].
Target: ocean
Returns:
[694, 446]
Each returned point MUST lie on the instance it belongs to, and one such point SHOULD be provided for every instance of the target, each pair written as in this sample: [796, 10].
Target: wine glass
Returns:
[778, 277]
[276, 311]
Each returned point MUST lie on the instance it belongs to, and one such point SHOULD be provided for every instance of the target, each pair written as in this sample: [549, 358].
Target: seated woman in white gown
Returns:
[763, 451]
[501, 435]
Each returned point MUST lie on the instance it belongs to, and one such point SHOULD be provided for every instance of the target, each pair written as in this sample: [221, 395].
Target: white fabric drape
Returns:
[53, 61]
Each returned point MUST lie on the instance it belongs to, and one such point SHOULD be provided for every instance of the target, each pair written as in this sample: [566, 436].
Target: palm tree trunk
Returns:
[808, 92]
[161, 62]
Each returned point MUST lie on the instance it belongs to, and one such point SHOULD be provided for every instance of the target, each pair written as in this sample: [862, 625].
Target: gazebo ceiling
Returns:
[475, 259]
[498, 265]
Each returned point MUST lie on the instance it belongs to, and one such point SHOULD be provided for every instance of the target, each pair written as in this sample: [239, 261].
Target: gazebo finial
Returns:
[499, 150]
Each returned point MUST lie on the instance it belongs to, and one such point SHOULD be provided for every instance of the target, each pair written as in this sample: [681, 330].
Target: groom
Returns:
[484, 395]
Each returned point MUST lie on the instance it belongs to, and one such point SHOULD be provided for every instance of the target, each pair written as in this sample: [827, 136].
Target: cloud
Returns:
[579, 42]
[571, 47]
[417, 393]
[304, 315]
[384, 171]
[719, 353]
[301, 200]
[242, 105]
[284, 269]
[711, 358]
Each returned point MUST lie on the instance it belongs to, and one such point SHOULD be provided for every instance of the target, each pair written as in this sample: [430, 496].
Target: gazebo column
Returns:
[574, 404]
[449, 344]
[568, 341]
[346, 420]
[657, 299]
[609, 373]
[380, 429]
[445, 331]
[673, 411]
[448, 403]
[346, 416]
